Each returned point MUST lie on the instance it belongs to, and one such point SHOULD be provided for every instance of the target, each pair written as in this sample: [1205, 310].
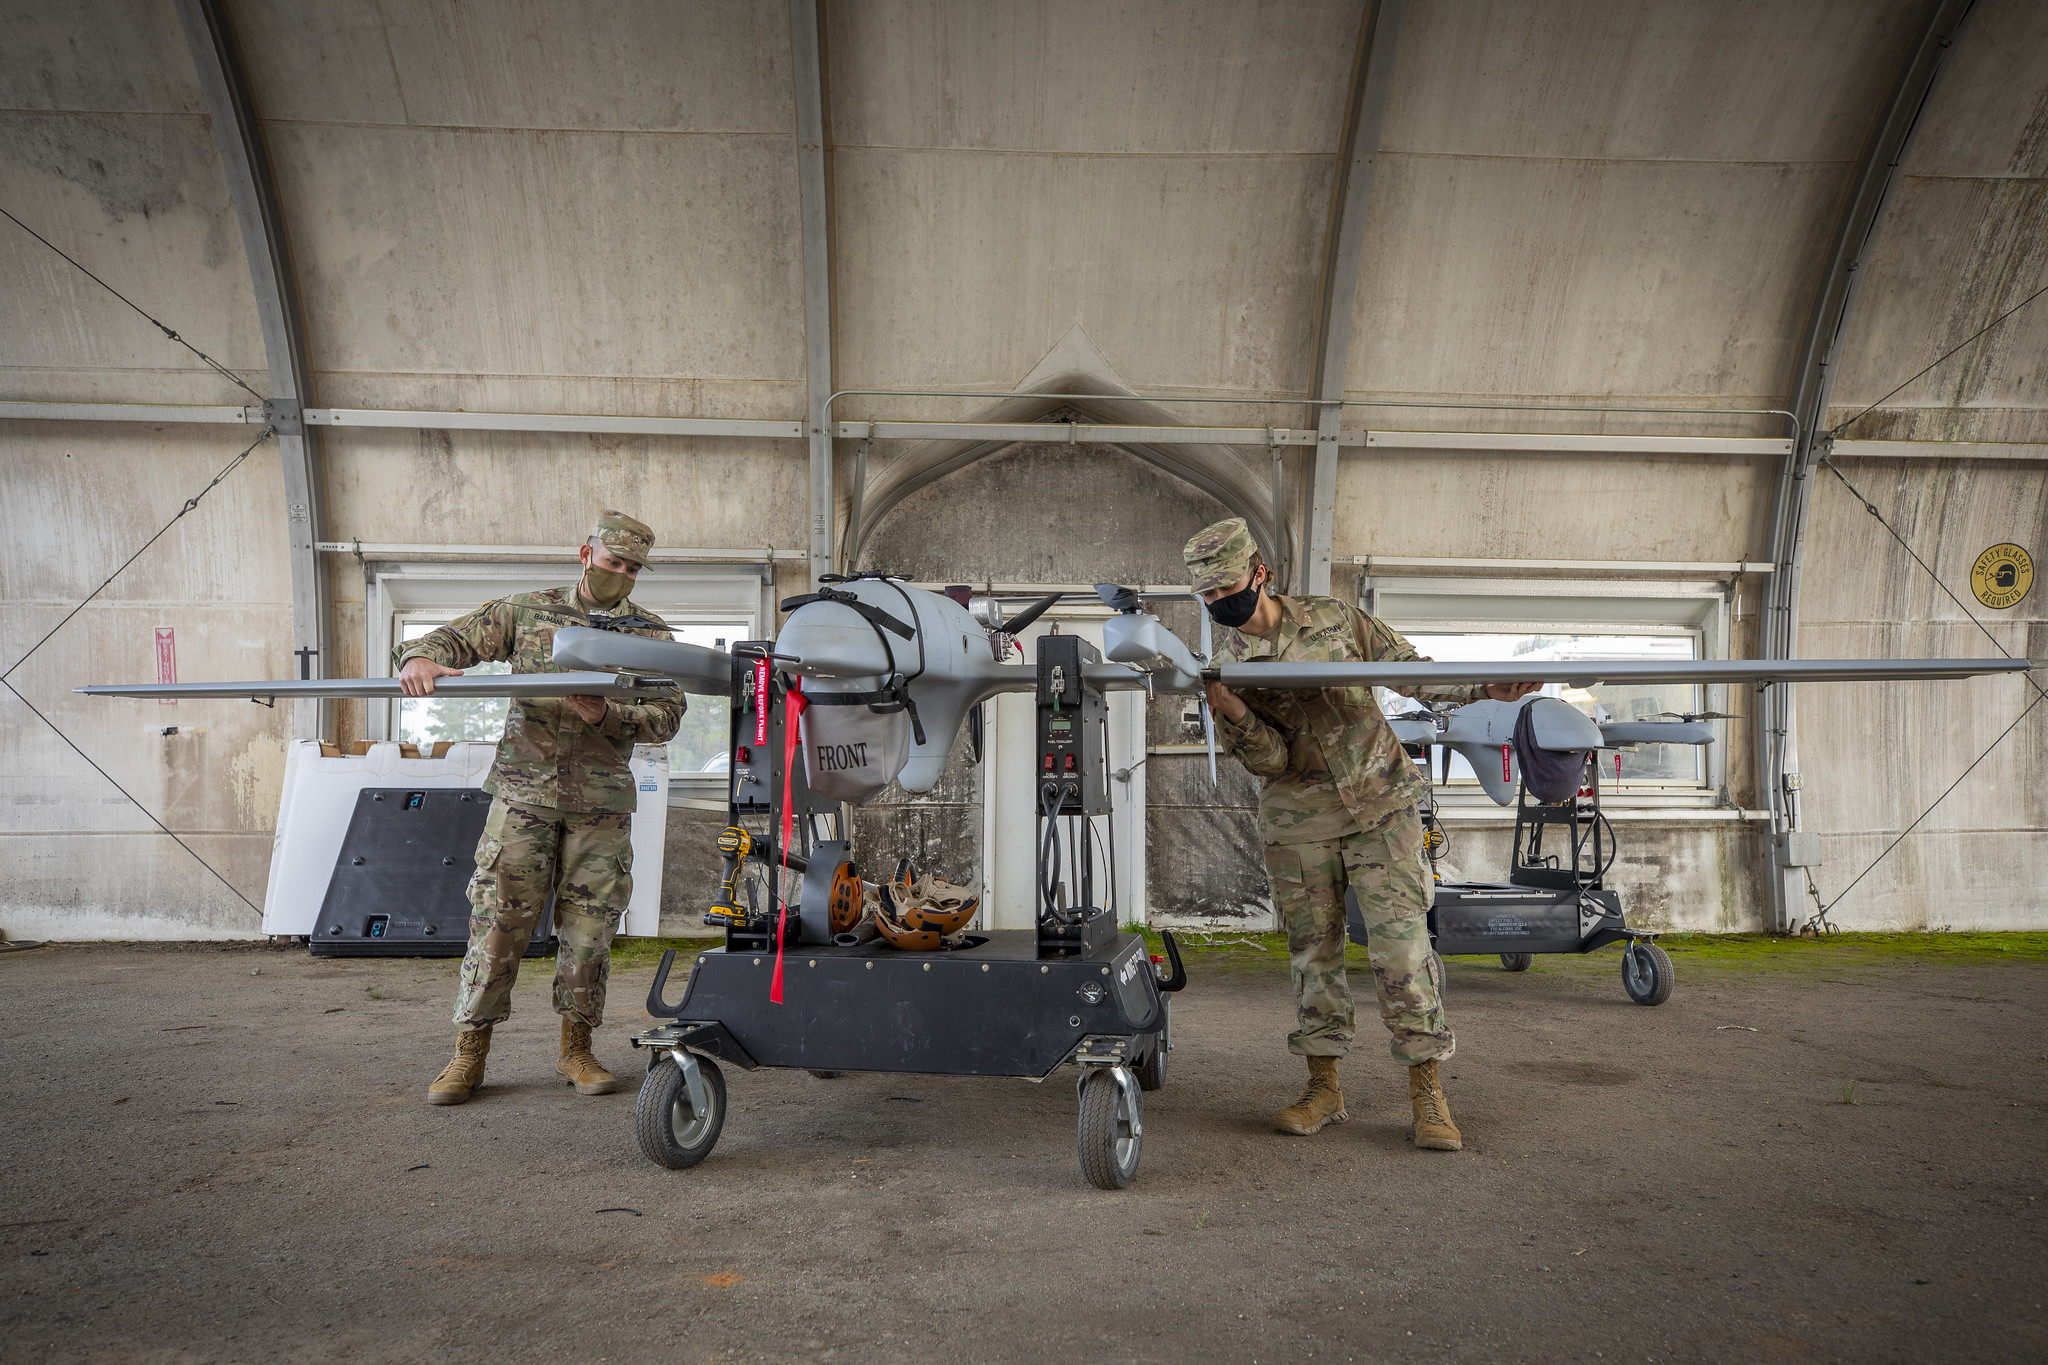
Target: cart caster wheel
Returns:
[825, 1075]
[1516, 962]
[671, 1131]
[1151, 1073]
[1646, 973]
[1111, 1131]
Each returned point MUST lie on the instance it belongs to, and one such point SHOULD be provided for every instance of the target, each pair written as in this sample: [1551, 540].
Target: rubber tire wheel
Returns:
[1437, 972]
[1516, 962]
[654, 1115]
[826, 1075]
[1105, 1167]
[1151, 1073]
[1646, 973]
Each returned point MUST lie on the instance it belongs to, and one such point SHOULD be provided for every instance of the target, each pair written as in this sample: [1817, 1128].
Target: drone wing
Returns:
[1656, 732]
[1588, 672]
[616, 686]
[706, 672]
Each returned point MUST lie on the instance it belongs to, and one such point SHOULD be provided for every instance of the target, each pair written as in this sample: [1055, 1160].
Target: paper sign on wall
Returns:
[166, 660]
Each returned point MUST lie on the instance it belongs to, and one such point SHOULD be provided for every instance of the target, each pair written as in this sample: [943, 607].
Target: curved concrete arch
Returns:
[941, 458]
[1371, 78]
[1774, 735]
[246, 165]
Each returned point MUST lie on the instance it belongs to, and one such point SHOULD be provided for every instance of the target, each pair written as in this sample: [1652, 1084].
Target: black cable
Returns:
[190, 503]
[1871, 508]
[1082, 855]
[1836, 431]
[223, 370]
[1049, 851]
[131, 798]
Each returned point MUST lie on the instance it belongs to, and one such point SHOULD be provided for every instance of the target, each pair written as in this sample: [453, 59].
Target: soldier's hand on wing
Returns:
[416, 679]
[590, 708]
[1224, 702]
[1513, 691]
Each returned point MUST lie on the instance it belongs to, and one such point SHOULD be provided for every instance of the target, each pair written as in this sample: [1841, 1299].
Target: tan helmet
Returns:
[917, 914]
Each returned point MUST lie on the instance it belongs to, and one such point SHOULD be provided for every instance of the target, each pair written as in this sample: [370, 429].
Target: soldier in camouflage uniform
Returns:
[562, 813]
[1338, 808]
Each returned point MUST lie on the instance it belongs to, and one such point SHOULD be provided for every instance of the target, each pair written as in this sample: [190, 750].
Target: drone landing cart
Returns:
[1555, 899]
[1017, 1003]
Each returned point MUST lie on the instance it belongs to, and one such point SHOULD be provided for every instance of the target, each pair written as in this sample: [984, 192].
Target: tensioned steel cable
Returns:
[2040, 694]
[1838, 430]
[132, 798]
[221, 369]
[57, 730]
[190, 503]
[1922, 815]
[1871, 508]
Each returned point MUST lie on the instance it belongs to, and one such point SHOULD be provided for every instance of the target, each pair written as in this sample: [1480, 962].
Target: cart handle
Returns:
[655, 1007]
[1177, 979]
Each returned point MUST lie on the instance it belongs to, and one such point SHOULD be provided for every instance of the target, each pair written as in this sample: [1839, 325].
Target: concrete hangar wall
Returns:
[683, 226]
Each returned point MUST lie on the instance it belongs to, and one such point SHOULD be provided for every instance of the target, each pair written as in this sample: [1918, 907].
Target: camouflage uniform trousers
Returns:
[1386, 867]
[586, 858]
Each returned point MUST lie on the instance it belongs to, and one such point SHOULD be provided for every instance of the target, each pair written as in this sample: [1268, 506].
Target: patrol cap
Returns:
[1219, 555]
[623, 536]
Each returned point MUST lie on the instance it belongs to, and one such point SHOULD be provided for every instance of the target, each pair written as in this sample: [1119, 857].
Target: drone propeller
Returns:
[1687, 717]
[1017, 623]
[1118, 598]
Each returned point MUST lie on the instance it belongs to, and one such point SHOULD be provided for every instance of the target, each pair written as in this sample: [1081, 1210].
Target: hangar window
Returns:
[711, 605]
[1457, 619]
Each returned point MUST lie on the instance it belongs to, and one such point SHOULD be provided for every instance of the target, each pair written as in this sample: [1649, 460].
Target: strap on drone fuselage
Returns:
[894, 693]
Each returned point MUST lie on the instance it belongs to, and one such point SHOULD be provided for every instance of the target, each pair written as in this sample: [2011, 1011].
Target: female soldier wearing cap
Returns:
[1337, 809]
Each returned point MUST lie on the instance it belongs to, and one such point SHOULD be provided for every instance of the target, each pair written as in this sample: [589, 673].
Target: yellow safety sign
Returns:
[2001, 576]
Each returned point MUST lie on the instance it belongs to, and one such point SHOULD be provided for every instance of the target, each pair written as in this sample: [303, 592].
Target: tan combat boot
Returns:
[1433, 1127]
[465, 1073]
[1321, 1104]
[579, 1064]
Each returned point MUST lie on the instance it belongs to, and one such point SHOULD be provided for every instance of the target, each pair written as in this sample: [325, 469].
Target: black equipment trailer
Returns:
[1019, 1003]
[1554, 900]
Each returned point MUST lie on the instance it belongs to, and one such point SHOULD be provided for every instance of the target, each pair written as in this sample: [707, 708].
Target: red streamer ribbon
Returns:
[792, 713]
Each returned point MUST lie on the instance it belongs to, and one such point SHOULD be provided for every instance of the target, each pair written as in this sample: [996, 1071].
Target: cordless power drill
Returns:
[734, 844]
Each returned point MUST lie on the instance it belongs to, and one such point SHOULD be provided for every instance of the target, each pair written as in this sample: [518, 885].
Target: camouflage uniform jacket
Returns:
[550, 756]
[1330, 762]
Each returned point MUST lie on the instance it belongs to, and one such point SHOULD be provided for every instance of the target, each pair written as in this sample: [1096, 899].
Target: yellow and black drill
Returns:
[734, 844]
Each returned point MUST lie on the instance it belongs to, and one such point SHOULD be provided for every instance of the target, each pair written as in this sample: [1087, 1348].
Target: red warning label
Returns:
[166, 660]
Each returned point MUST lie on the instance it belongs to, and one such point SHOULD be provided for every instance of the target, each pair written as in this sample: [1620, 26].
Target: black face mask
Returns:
[1236, 609]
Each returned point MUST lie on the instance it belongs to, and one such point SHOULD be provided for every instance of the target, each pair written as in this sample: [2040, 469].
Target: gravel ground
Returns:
[224, 1153]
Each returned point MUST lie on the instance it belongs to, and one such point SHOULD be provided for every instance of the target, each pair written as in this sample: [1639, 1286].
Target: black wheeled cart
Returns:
[1554, 901]
[1019, 1003]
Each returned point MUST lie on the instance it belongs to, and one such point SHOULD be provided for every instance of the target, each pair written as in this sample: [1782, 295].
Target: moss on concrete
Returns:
[1234, 951]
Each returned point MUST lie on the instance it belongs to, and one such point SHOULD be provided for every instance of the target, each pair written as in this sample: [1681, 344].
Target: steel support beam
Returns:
[546, 421]
[1775, 730]
[1372, 74]
[1071, 433]
[246, 165]
[809, 73]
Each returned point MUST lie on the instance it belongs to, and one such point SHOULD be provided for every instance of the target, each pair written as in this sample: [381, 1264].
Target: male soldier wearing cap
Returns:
[1337, 808]
[562, 812]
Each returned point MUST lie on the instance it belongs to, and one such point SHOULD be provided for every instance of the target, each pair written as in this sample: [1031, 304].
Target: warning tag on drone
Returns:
[2001, 576]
